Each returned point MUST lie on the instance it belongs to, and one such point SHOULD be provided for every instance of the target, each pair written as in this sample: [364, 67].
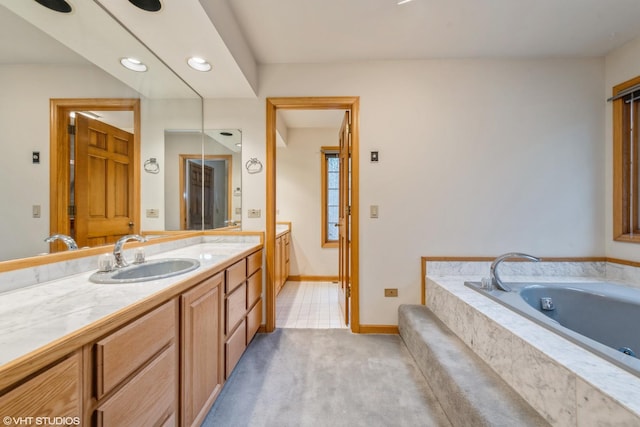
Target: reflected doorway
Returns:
[109, 161]
[205, 189]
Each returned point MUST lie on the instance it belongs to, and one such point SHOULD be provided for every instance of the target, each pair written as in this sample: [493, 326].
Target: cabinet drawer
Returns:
[253, 321]
[236, 307]
[254, 262]
[148, 399]
[236, 274]
[123, 352]
[53, 393]
[234, 348]
[254, 288]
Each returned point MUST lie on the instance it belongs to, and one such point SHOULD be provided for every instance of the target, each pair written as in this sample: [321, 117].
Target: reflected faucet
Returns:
[117, 248]
[68, 240]
[495, 278]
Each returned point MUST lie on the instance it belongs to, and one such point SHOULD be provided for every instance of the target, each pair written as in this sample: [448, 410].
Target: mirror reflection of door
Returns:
[205, 188]
[94, 182]
[103, 182]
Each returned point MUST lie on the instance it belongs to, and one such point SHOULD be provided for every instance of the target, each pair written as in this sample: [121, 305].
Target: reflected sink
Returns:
[150, 270]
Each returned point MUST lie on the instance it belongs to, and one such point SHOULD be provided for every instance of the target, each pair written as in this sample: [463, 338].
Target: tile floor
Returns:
[311, 305]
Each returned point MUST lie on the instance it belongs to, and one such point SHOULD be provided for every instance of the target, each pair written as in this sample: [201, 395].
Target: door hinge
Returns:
[71, 210]
[348, 290]
[348, 210]
[71, 130]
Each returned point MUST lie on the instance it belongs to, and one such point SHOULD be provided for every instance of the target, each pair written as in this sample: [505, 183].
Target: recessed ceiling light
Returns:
[403, 1]
[57, 5]
[199, 64]
[148, 5]
[133, 64]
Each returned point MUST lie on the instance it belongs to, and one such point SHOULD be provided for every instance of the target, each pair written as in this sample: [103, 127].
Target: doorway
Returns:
[121, 211]
[350, 104]
[205, 191]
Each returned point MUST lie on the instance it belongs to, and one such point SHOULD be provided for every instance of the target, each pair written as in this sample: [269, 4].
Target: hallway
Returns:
[312, 305]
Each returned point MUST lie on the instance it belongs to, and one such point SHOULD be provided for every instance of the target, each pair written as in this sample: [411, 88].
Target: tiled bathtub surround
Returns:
[567, 384]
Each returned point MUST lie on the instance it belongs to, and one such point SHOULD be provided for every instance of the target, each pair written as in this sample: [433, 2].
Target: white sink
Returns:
[150, 270]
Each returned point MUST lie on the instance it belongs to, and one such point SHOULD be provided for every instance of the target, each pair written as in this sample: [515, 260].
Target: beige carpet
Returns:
[326, 377]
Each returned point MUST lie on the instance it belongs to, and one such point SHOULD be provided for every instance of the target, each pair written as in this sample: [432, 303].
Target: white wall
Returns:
[158, 116]
[620, 65]
[248, 115]
[299, 200]
[24, 125]
[477, 157]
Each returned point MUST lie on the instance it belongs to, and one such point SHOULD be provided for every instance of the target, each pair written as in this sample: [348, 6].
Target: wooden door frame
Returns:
[351, 103]
[59, 179]
[181, 173]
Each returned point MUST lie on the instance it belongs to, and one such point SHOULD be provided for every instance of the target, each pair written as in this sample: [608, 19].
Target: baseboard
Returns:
[302, 278]
[379, 329]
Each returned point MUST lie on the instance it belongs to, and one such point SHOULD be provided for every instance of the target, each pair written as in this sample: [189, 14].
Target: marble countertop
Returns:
[35, 316]
[281, 229]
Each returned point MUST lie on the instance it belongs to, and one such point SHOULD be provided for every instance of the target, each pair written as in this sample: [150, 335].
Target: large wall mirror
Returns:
[47, 55]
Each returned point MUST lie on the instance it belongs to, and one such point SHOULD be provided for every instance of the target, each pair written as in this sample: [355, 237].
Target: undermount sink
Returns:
[149, 270]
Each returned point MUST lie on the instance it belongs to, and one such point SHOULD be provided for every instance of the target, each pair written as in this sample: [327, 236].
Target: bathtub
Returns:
[604, 318]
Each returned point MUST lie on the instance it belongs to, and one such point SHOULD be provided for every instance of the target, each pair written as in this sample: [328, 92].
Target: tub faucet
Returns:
[68, 240]
[117, 248]
[495, 278]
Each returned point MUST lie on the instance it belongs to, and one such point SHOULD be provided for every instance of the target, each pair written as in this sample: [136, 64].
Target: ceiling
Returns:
[312, 31]
[237, 36]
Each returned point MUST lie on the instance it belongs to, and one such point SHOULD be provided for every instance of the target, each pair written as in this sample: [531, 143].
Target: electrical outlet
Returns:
[254, 213]
[391, 292]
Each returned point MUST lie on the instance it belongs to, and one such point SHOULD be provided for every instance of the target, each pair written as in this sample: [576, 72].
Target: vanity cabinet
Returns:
[283, 251]
[201, 350]
[135, 371]
[161, 367]
[243, 307]
[55, 392]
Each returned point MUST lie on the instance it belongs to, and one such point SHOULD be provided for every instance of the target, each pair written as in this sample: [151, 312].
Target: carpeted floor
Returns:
[326, 377]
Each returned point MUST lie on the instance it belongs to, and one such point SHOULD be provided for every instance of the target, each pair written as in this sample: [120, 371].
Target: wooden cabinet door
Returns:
[202, 357]
[278, 265]
[55, 392]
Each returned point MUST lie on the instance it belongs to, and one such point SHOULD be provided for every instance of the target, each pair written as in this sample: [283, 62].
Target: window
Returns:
[330, 195]
[626, 203]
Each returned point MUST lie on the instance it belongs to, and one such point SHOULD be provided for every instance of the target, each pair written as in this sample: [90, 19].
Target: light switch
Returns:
[35, 209]
[153, 213]
[373, 211]
[253, 213]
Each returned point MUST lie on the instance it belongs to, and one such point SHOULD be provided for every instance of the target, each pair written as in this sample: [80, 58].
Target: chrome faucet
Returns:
[495, 278]
[68, 240]
[117, 248]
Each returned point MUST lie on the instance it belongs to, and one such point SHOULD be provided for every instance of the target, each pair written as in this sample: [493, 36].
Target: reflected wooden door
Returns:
[344, 218]
[103, 183]
[199, 197]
